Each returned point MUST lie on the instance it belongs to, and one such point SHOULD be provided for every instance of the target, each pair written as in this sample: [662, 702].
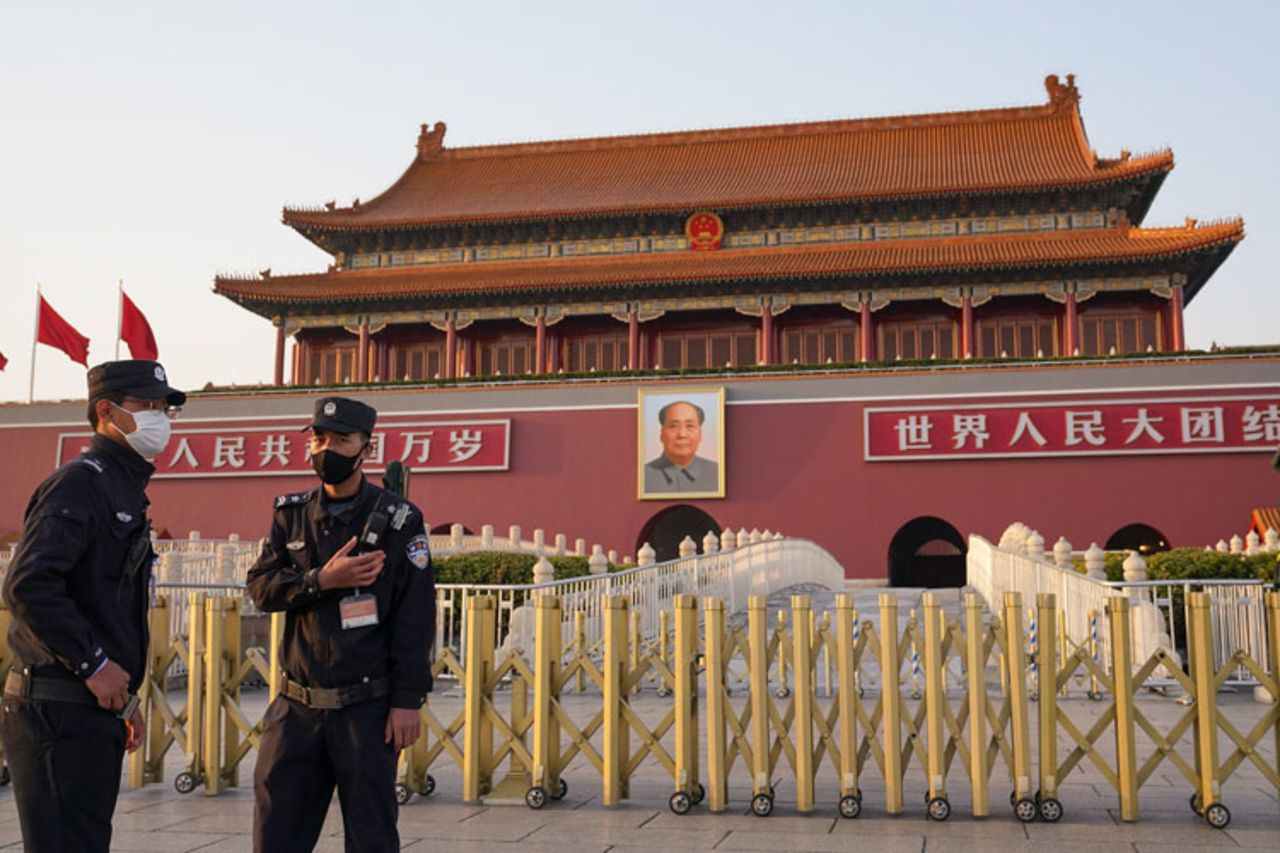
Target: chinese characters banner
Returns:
[1077, 429]
[262, 451]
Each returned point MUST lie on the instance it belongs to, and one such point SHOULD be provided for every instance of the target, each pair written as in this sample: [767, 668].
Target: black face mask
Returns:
[334, 468]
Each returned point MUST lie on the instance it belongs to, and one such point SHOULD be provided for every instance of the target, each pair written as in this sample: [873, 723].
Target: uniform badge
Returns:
[330, 409]
[418, 551]
[296, 546]
[159, 373]
[400, 516]
[92, 463]
[124, 516]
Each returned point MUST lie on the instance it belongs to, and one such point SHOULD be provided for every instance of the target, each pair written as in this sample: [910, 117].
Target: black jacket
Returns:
[74, 601]
[317, 650]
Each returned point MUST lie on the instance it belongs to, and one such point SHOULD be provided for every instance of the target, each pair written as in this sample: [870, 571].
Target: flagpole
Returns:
[31, 385]
[119, 313]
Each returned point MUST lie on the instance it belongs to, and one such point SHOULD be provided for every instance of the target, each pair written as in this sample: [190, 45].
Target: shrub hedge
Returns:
[501, 567]
[1193, 564]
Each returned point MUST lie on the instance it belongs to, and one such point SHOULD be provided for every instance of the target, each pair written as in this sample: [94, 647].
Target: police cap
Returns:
[343, 415]
[136, 377]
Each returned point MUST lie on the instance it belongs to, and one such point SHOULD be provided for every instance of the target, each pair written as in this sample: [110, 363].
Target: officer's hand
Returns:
[110, 685]
[402, 727]
[344, 571]
[133, 732]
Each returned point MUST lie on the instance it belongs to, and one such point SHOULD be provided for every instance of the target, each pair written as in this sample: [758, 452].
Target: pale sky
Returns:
[156, 142]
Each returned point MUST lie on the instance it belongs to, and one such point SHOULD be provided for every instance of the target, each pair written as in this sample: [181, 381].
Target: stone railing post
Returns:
[486, 537]
[1062, 553]
[562, 545]
[580, 547]
[754, 536]
[455, 536]
[171, 567]
[225, 564]
[1035, 545]
[613, 556]
[539, 540]
[597, 563]
[646, 555]
[744, 538]
[1252, 543]
[514, 536]
[1237, 544]
[727, 540]
[1222, 547]
[710, 543]
[543, 571]
[1273, 540]
[688, 547]
[1135, 568]
[1095, 562]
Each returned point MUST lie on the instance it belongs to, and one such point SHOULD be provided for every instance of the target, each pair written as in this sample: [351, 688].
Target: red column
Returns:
[766, 335]
[298, 355]
[362, 353]
[279, 371]
[866, 333]
[540, 345]
[553, 354]
[633, 340]
[1070, 326]
[450, 349]
[1176, 331]
[966, 327]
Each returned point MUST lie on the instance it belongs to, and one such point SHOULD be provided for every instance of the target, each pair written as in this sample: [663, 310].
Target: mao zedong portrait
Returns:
[680, 468]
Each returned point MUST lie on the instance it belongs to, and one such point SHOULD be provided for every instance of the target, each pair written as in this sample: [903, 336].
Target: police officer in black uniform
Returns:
[78, 588]
[349, 564]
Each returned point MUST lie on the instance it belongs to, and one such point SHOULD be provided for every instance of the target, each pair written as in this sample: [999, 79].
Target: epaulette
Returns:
[293, 499]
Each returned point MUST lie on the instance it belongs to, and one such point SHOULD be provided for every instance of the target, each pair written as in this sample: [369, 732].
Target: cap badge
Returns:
[159, 373]
[330, 409]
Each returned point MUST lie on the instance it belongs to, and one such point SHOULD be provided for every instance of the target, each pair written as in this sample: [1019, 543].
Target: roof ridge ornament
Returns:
[431, 142]
[1060, 94]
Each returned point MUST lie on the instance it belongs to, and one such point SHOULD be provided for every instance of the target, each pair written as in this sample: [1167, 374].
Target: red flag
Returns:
[136, 331]
[58, 333]
[3, 361]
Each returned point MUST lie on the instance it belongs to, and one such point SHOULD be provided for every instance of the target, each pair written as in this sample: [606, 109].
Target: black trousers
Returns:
[65, 762]
[302, 755]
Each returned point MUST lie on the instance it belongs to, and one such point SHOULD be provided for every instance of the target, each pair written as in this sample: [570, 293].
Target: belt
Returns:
[38, 688]
[335, 698]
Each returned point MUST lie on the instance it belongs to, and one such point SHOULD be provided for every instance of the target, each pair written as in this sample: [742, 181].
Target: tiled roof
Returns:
[986, 151]
[1120, 244]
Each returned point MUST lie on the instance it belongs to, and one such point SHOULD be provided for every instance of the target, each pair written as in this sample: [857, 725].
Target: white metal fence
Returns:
[1158, 606]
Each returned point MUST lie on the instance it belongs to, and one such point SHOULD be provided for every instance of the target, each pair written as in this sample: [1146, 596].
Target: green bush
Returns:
[1191, 564]
[501, 567]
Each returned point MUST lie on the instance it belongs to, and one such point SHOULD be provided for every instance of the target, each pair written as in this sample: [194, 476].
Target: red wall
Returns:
[794, 466]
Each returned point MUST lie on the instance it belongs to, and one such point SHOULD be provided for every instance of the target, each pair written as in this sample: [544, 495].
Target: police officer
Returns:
[348, 563]
[78, 589]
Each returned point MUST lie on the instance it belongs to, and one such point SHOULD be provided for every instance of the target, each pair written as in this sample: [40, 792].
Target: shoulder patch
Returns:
[418, 551]
[293, 499]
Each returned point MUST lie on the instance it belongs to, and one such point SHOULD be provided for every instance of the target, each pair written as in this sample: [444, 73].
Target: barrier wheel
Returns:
[1095, 695]
[1013, 798]
[184, 783]
[939, 809]
[428, 786]
[5, 776]
[1051, 810]
[1026, 809]
[535, 798]
[663, 692]
[403, 794]
[680, 802]
[850, 806]
[762, 805]
[1217, 815]
[782, 692]
[1195, 804]
[699, 794]
[1034, 695]
[562, 788]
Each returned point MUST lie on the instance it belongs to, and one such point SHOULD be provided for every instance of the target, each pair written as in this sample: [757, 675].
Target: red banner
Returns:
[51, 329]
[257, 450]
[1084, 428]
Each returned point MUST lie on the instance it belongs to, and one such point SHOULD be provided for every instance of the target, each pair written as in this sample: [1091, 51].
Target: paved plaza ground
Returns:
[156, 818]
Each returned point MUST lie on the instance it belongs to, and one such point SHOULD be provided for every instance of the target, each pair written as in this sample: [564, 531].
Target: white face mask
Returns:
[150, 435]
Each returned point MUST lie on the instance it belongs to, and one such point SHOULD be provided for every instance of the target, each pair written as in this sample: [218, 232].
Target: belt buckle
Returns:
[324, 699]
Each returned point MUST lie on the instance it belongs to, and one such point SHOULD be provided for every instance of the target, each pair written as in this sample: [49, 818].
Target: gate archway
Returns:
[665, 530]
[1142, 538]
[927, 551]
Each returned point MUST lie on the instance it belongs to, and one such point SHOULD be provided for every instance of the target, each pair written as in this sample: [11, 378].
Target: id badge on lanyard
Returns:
[358, 611]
